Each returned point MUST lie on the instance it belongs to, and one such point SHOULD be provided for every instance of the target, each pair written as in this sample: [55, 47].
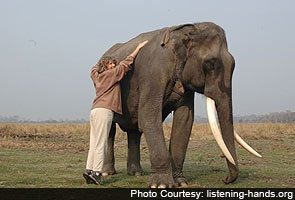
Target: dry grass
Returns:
[247, 130]
[58, 137]
[81, 130]
[42, 130]
[61, 137]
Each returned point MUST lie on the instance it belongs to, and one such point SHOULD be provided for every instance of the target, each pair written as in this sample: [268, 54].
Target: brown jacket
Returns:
[107, 86]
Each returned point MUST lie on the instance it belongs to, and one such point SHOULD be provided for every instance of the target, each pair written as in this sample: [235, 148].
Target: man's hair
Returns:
[102, 63]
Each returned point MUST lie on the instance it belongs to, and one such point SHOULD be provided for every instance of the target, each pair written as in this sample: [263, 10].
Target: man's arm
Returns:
[124, 66]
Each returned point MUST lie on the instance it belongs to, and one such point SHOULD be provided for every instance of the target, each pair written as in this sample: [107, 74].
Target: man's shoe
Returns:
[95, 176]
[86, 175]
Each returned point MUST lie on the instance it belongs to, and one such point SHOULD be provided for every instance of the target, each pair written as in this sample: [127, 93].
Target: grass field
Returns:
[54, 155]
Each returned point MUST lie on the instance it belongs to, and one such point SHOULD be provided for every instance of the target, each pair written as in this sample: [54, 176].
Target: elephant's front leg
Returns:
[109, 162]
[133, 163]
[150, 122]
[181, 130]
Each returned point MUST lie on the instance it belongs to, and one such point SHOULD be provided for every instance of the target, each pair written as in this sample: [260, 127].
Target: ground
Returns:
[54, 155]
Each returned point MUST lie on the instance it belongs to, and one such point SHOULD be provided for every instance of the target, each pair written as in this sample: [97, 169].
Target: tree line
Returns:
[275, 117]
[18, 119]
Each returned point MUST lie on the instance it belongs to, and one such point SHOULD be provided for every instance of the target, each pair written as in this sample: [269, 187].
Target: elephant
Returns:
[176, 62]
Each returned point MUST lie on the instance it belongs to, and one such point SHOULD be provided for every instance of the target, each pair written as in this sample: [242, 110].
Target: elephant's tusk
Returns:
[245, 145]
[236, 135]
[215, 129]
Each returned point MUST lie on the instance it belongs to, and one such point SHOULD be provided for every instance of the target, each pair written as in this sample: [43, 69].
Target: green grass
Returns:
[54, 162]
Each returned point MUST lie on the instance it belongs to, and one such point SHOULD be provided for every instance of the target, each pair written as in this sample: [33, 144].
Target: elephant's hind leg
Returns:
[133, 163]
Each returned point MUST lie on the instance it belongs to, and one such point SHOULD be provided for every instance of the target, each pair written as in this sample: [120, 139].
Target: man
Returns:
[106, 77]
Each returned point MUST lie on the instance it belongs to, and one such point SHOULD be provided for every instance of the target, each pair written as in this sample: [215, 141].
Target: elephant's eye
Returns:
[209, 65]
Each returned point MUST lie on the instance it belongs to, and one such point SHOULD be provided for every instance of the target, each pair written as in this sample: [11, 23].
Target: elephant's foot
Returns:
[135, 170]
[180, 180]
[108, 173]
[161, 181]
[230, 178]
[108, 170]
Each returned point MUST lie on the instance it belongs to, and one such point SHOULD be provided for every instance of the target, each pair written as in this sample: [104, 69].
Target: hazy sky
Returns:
[48, 47]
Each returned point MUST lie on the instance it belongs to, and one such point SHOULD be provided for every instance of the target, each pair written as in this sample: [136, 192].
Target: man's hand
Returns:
[139, 46]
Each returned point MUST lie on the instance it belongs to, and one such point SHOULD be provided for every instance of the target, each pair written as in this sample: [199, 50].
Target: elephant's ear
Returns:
[166, 35]
[178, 39]
[165, 38]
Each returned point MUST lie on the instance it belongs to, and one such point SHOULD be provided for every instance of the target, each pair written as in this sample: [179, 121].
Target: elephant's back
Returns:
[113, 49]
[121, 50]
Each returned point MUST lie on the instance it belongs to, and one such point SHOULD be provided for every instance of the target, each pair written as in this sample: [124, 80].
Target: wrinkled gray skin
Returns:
[176, 62]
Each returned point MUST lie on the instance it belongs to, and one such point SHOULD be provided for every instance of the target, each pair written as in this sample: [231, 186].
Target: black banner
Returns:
[138, 193]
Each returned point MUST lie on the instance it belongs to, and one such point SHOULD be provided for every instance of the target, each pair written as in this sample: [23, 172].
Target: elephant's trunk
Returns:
[224, 111]
[215, 129]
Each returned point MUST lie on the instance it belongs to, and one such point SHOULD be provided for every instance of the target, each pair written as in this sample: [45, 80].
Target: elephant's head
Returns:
[204, 65]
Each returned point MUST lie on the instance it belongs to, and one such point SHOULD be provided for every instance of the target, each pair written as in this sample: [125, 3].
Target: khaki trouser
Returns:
[100, 125]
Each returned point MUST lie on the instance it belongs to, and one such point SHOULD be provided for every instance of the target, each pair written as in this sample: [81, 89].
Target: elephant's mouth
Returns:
[211, 110]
